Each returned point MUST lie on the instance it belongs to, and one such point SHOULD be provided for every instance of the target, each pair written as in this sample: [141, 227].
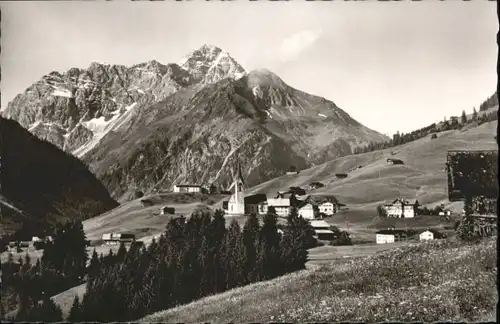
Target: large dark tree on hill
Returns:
[463, 118]
[68, 252]
[381, 212]
[297, 239]
[269, 247]
[251, 231]
[75, 311]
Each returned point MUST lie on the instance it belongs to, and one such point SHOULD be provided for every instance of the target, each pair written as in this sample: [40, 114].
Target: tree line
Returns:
[29, 287]
[451, 124]
[193, 258]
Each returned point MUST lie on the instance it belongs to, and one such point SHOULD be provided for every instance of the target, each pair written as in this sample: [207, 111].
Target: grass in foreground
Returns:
[426, 282]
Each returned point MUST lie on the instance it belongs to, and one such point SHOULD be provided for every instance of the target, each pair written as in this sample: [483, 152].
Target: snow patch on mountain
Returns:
[257, 92]
[35, 125]
[100, 127]
[324, 116]
[59, 92]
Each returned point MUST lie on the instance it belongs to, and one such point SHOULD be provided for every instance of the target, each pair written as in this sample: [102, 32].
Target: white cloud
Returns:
[296, 43]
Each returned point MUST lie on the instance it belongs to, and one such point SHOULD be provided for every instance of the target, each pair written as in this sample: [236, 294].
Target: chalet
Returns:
[430, 234]
[117, 238]
[327, 208]
[445, 212]
[319, 225]
[315, 185]
[400, 208]
[187, 188]
[341, 175]
[167, 210]
[292, 170]
[255, 203]
[327, 205]
[283, 203]
[389, 236]
[322, 230]
[308, 211]
[394, 161]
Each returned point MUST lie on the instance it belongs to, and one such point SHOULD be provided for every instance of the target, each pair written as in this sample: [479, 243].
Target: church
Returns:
[238, 204]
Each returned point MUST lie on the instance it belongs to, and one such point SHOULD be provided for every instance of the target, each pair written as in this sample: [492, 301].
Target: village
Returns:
[313, 207]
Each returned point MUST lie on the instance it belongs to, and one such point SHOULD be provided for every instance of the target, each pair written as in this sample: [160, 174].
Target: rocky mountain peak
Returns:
[210, 64]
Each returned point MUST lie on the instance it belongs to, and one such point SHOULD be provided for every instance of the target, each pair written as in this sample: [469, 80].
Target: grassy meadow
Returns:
[443, 280]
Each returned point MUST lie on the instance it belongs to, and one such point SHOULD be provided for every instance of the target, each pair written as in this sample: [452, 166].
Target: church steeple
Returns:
[236, 205]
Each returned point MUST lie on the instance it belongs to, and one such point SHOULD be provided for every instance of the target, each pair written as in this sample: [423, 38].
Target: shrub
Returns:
[138, 194]
[434, 136]
[381, 212]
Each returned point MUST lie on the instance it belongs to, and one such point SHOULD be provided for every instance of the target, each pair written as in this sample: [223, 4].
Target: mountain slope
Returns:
[42, 184]
[422, 176]
[200, 136]
[151, 125]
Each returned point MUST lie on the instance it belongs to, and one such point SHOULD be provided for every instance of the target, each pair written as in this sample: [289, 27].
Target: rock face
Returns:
[151, 125]
[41, 184]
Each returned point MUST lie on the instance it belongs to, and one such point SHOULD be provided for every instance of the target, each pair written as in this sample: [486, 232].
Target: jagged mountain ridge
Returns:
[42, 184]
[117, 118]
[74, 110]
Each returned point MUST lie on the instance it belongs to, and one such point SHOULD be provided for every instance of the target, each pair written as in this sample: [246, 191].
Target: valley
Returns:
[106, 147]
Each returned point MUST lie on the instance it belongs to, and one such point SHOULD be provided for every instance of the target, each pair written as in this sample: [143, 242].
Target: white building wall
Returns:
[262, 209]
[384, 238]
[307, 212]
[177, 189]
[409, 212]
[394, 211]
[281, 205]
[327, 208]
[427, 235]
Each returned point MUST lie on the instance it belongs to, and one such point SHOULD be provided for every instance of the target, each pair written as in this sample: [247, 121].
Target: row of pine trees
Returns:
[193, 258]
[403, 138]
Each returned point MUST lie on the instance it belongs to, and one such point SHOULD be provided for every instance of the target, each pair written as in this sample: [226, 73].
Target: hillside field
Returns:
[439, 281]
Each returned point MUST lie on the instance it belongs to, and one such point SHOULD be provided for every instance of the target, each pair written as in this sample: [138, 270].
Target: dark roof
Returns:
[319, 199]
[388, 231]
[188, 185]
[285, 195]
[255, 199]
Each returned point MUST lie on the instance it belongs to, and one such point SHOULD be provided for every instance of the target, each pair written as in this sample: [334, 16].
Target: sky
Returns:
[393, 66]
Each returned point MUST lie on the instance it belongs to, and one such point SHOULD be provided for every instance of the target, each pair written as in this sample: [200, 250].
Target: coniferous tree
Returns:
[75, 311]
[251, 231]
[297, 239]
[47, 312]
[234, 254]
[94, 266]
[270, 251]
[463, 117]
[218, 233]
[474, 114]
[122, 252]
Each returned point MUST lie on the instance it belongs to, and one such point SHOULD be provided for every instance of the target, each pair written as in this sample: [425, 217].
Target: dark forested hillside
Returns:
[41, 184]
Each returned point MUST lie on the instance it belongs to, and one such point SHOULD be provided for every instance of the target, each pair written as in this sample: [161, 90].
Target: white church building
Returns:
[236, 204]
